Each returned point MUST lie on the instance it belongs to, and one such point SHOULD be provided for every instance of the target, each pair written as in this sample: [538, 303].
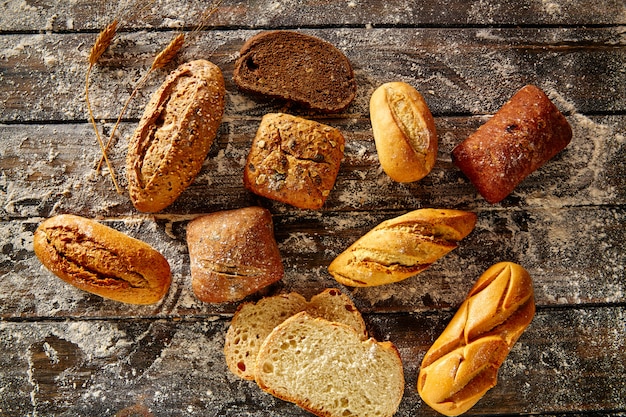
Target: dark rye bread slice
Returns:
[297, 68]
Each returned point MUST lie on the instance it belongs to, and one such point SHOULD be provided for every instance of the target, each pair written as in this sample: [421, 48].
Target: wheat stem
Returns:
[102, 42]
[161, 60]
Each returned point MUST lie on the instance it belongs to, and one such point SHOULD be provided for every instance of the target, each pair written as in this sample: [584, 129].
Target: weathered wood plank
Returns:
[462, 71]
[60, 15]
[49, 169]
[575, 256]
[65, 352]
[164, 367]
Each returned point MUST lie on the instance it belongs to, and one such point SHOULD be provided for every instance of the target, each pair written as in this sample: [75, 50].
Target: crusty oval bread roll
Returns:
[401, 247]
[174, 135]
[102, 260]
[521, 137]
[462, 364]
[326, 368]
[404, 132]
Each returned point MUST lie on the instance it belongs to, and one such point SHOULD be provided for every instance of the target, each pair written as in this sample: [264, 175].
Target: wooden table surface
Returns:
[64, 352]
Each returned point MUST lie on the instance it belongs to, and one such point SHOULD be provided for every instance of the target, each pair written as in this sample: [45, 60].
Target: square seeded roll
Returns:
[294, 160]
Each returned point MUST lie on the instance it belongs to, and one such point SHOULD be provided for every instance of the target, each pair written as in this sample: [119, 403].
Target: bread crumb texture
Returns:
[329, 370]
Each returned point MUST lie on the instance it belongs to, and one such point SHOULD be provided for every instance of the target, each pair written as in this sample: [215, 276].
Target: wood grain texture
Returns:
[60, 15]
[173, 367]
[64, 352]
[460, 70]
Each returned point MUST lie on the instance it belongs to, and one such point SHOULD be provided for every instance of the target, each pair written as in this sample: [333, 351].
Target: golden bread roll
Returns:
[294, 160]
[233, 254]
[521, 137]
[462, 364]
[102, 260]
[404, 132]
[174, 135]
[401, 247]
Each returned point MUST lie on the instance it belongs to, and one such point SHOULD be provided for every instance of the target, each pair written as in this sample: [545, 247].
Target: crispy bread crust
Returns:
[521, 137]
[102, 260]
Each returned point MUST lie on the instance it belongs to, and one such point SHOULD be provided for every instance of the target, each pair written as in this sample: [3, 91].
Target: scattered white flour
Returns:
[551, 7]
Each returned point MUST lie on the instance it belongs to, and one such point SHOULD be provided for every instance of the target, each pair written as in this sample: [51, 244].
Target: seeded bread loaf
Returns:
[102, 260]
[328, 369]
[174, 135]
[520, 138]
[253, 322]
[462, 364]
[401, 247]
[294, 160]
[297, 68]
[232, 254]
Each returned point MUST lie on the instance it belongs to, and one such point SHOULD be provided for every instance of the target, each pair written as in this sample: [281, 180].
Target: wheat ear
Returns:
[101, 44]
[162, 59]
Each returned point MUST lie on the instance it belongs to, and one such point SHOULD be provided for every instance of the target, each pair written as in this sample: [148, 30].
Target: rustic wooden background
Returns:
[64, 352]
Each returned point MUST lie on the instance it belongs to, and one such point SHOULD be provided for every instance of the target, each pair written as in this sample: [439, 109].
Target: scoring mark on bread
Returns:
[230, 270]
[77, 251]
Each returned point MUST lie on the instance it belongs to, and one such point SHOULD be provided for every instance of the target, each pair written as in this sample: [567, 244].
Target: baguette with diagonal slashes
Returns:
[401, 247]
[462, 364]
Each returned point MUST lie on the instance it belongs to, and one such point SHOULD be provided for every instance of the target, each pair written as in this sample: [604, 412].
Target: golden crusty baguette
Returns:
[404, 132]
[102, 260]
[462, 364]
[401, 247]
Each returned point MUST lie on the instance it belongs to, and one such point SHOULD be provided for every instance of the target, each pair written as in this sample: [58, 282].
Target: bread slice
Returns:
[253, 322]
[326, 368]
[297, 68]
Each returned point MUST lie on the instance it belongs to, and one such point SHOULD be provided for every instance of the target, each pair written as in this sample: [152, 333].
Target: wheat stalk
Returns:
[161, 60]
[166, 55]
[103, 41]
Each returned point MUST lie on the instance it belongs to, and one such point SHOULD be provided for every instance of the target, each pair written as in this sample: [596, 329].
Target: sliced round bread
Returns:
[297, 68]
[253, 322]
[326, 368]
